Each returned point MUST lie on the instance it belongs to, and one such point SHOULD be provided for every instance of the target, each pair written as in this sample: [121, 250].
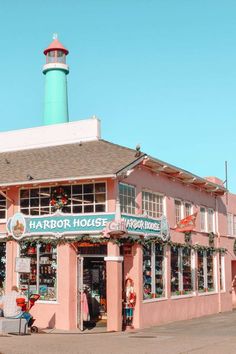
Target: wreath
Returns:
[59, 198]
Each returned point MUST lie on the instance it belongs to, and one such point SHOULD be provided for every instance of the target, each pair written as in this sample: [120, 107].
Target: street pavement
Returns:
[206, 335]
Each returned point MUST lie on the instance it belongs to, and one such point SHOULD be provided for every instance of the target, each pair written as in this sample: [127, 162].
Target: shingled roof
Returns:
[94, 158]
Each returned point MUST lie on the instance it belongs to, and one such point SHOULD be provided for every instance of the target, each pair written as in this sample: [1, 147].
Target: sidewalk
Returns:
[206, 335]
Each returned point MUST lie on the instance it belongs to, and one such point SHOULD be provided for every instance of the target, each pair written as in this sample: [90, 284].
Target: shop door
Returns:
[80, 270]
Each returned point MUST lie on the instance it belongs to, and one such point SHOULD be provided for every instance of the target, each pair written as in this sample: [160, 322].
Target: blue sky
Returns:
[161, 73]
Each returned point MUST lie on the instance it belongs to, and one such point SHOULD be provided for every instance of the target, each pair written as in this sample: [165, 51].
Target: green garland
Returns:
[119, 241]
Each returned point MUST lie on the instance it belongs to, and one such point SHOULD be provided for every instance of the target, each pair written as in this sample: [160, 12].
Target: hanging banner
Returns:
[60, 224]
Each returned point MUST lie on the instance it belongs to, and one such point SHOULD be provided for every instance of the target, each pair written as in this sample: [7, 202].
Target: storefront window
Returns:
[159, 270]
[187, 271]
[206, 278]
[147, 272]
[153, 271]
[43, 275]
[152, 204]
[80, 198]
[182, 271]
[210, 272]
[127, 198]
[175, 288]
[200, 271]
[2, 267]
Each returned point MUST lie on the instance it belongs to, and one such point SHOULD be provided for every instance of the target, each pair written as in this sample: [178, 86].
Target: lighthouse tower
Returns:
[55, 71]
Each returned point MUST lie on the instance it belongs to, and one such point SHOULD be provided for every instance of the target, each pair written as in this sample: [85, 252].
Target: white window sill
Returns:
[176, 297]
[207, 293]
[3, 221]
[157, 299]
[53, 302]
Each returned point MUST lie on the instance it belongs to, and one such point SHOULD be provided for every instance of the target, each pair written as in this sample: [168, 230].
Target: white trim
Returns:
[55, 180]
[156, 299]
[60, 66]
[114, 259]
[176, 297]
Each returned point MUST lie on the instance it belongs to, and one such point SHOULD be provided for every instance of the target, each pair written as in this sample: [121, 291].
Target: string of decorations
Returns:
[123, 241]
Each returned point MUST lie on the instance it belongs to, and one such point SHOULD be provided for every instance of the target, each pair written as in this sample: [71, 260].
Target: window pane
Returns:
[203, 219]
[147, 272]
[47, 272]
[177, 211]
[29, 252]
[127, 198]
[174, 271]
[88, 188]
[100, 208]
[77, 209]
[88, 209]
[24, 193]
[200, 271]
[100, 187]
[159, 270]
[2, 267]
[77, 189]
[210, 272]
[186, 271]
[34, 193]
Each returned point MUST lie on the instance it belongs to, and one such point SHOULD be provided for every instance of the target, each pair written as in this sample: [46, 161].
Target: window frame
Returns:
[3, 220]
[38, 273]
[161, 195]
[205, 275]
[135, 196]
[51, 187]
[180, 273]
[153, 275]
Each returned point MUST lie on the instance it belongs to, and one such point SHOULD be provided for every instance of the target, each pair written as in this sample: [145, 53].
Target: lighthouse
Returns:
[55, 71]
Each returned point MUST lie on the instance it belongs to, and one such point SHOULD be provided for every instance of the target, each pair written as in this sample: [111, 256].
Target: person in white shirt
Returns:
[9, 304]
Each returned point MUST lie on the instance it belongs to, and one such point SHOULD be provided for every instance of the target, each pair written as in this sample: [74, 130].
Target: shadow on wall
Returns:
[52, 322]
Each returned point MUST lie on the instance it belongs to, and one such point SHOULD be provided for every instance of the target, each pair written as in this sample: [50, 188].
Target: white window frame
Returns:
[133, 212]
[156, 194]
[205, 274]
[51, 187]
[37, 279]
[180, 273]
[205, 218]
[3, 220]
[185, 209]
[153, 275]
[181, 210]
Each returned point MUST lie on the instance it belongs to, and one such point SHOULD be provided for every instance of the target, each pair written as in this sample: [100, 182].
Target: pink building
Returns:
[90, 214]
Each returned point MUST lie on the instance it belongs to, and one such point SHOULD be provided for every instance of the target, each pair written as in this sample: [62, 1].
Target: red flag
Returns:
[187, 224]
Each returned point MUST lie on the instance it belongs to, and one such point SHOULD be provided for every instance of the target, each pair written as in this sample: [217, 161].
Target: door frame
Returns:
[80, 285]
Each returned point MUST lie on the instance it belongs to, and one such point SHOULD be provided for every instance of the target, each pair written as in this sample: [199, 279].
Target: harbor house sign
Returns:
[60, 224]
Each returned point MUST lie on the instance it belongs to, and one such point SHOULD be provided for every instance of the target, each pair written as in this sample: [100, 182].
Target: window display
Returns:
[175, 289]
[2, 266]
[159, 270]
[200, 271]
[206, 278]
[186, 271]
[153, 271]
[43, 270]
[210, 272]
[182, 271]
[147, 272]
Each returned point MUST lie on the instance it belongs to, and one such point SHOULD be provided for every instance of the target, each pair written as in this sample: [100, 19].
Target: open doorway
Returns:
[92, 310]
[233, 267]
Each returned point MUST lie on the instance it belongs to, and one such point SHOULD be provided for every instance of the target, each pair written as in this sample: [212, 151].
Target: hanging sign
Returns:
[59, 224]
[22, 265]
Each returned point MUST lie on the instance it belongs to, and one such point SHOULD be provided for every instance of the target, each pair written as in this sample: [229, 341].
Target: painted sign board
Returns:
[60, 224]
[22, 265]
